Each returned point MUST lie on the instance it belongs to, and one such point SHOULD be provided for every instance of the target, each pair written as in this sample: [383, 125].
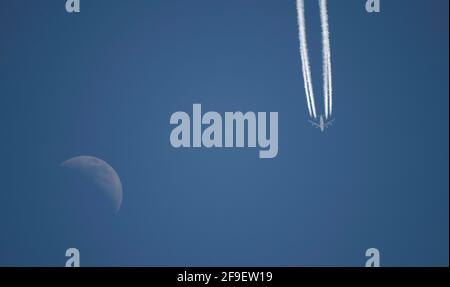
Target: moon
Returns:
[101, 174]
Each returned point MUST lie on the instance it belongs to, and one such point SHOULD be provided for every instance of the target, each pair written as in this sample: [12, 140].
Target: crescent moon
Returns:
[101, 173]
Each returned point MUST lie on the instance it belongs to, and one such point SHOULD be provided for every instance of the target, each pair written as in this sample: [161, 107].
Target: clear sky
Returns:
[105, 82]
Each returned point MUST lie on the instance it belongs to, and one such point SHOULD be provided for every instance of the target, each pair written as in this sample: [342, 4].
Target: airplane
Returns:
[322, 124]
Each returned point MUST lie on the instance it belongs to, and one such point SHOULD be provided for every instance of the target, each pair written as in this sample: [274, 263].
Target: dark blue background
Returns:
[105, 82]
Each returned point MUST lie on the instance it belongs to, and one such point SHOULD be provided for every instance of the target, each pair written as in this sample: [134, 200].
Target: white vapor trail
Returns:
[327, 79]
[326, 58]
[305, 59]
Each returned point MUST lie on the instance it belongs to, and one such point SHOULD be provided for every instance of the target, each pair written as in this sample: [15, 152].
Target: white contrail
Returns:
[326, 58]
[305, 58]
[326, 51]
[306, 90]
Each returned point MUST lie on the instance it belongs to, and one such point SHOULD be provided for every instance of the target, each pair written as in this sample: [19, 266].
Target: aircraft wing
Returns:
[314, 124]
[329, 123]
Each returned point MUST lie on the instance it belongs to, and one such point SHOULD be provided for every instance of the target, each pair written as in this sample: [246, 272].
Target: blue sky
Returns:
[104, 83]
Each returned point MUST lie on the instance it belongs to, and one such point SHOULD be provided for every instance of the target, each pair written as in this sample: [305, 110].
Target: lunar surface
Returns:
[99, 173]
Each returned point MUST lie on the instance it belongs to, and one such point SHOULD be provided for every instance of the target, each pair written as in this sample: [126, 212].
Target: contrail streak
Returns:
[305, 59]
[326, 51]
[326, 59]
